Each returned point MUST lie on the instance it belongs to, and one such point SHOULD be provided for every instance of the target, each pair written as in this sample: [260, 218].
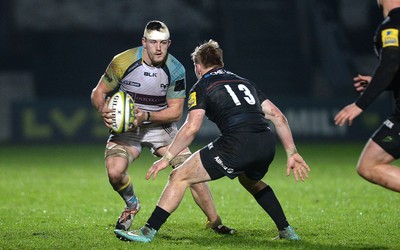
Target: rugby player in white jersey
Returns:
[157, 82]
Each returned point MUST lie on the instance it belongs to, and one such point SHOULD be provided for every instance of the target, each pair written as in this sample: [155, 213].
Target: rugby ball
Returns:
[123, 107]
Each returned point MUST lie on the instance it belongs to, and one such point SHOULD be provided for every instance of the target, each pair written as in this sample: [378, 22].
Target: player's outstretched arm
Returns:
[182, 140]
[295, 161]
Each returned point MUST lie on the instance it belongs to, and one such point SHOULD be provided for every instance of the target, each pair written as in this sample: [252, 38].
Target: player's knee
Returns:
[115, 176]
[250, 185]
[364, 171]
[178, 176]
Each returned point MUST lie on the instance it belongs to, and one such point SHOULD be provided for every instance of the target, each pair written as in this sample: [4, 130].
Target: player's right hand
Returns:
[298, 166]
[157, 166]
[107, 113]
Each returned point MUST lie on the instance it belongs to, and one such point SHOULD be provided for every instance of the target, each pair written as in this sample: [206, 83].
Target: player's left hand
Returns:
[299, 167]
[348, 113]
[140, 117]
[157, 166]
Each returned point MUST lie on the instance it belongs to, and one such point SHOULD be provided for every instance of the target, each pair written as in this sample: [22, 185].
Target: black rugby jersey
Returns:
[231, 102]
[387, 73]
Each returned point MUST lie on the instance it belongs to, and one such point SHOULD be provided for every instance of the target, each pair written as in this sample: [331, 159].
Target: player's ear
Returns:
[144, 42]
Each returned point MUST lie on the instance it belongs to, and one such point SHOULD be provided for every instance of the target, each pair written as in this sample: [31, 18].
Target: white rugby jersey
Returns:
[149, 86]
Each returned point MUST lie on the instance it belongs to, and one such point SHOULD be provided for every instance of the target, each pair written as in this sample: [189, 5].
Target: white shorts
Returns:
[150, 136]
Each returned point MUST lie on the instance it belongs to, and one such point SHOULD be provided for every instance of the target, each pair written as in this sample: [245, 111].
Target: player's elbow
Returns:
[97, 99]
[175, 116]
[280, 120]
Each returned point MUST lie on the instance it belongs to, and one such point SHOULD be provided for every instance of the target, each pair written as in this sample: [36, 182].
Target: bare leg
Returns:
[201, 194]
[374, 166]
[252, 186]
[203, 198]
[191, 172]
[117, 162]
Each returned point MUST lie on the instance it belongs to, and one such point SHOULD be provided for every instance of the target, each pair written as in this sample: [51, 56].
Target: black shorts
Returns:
[388, 137]
[232, 155]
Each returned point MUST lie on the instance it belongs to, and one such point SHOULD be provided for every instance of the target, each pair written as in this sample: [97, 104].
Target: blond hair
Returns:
[208, 54]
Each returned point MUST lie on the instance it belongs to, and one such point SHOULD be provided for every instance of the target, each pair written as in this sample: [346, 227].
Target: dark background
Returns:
[302, 49]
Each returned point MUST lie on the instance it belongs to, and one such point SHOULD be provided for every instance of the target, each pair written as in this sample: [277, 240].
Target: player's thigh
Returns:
[191, 171]
[373, 155]
[118, 156]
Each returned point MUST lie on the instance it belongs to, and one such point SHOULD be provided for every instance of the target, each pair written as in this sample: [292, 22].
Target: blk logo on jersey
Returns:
[154, 74]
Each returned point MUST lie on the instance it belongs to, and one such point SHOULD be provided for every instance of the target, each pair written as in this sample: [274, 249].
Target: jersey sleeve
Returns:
[116, 69]
[196, 98]
[385, 71]
[261, 96]
[177, 86]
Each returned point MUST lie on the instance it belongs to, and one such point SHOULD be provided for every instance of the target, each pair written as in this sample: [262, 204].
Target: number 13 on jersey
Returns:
[248, 97]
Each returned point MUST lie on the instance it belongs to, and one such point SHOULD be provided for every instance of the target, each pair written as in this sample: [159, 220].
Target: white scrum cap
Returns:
[156, 30]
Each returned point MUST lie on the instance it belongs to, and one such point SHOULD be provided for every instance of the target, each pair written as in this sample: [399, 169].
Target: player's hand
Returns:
[107, 114]
[157, 166]
[140, 117]
[348, 113]
[361, 82]
[298, 166]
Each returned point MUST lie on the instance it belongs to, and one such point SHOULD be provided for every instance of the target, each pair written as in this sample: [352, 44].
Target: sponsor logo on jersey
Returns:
[387, 139]
[221, 163]
[192, 100]
[390, 37]
[388, 124]
[154, 74]
[131, 83]
[164, 85]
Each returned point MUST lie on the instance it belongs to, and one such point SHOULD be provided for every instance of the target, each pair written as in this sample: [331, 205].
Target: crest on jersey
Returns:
[192, 100]
[390, 37]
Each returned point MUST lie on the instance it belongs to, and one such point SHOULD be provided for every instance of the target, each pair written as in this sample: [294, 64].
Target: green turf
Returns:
[58, 197]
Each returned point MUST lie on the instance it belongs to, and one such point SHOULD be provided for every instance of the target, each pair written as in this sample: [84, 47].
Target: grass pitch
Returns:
[58, 197]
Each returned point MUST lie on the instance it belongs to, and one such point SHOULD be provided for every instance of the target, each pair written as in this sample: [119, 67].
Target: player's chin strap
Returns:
[179, 159]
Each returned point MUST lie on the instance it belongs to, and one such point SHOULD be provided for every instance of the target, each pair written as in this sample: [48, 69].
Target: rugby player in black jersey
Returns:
[245, 148]
[375, 163]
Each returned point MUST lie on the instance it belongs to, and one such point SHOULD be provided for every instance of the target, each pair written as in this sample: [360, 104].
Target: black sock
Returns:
[157, 218]
[268, 201]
